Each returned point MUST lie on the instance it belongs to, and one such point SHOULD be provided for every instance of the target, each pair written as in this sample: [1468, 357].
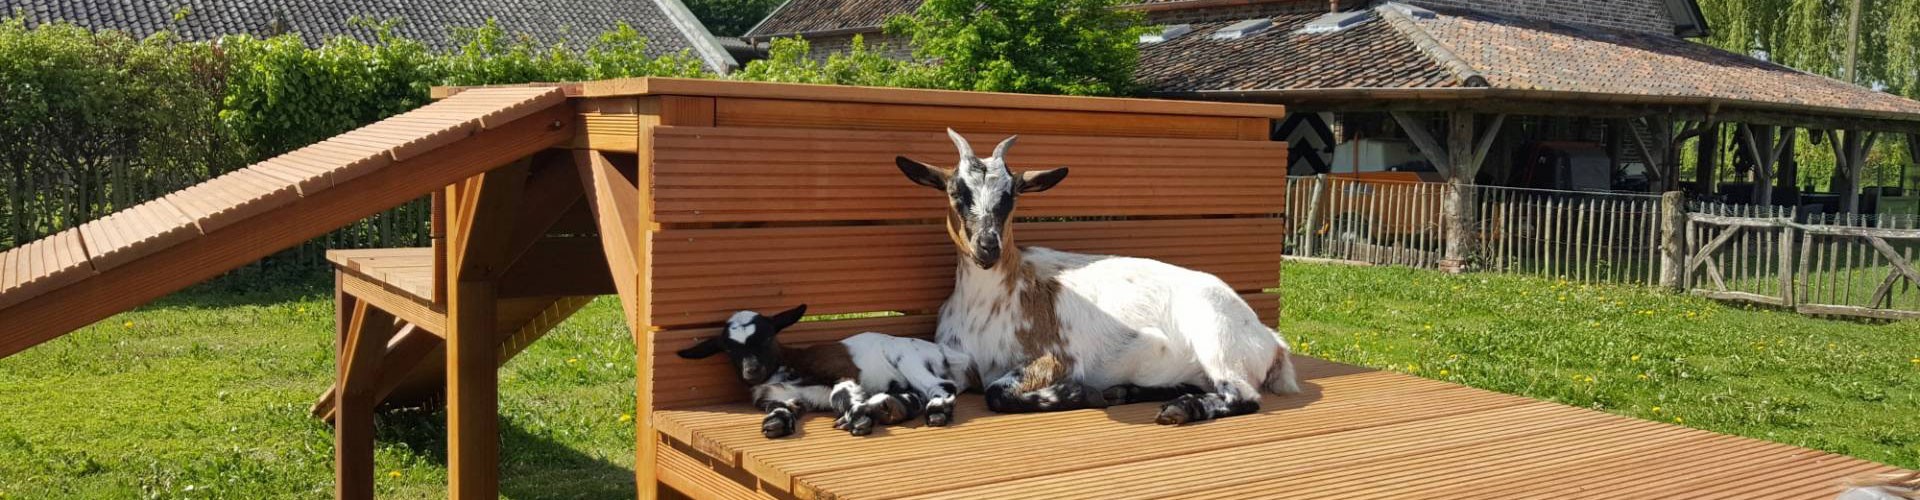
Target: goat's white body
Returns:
[887, 362]
[1123, 321]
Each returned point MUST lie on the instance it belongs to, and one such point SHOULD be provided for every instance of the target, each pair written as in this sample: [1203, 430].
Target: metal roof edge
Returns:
[702, 41]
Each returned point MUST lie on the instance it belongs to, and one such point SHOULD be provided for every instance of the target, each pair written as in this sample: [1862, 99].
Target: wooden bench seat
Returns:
[1354, 433]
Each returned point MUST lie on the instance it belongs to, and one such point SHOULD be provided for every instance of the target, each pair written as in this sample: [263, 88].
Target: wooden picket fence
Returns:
[1578, 236]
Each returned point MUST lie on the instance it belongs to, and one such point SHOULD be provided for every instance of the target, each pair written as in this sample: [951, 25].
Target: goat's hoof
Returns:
[775, 429]
[860, 427]
[1119, 394]
[892, 411]
[1172, 414]
[938, 418]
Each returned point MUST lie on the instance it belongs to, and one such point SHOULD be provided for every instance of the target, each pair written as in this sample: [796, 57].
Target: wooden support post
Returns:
[1708, 150]
[1850, 157]
[1788, 177]
[1673, 239]
[1314, 199]
[481, 214]
[363, 343]
[1459, 208]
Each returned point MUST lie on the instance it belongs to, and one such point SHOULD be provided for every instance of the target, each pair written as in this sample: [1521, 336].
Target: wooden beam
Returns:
[559, 267]
[1486, 141]
[359, 374]
[410, 346]
[480, 228]
[553, 189]
[1423, 139]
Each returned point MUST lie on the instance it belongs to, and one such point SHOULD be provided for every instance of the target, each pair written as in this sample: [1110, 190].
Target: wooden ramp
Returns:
[64, 282]
[1354, 433]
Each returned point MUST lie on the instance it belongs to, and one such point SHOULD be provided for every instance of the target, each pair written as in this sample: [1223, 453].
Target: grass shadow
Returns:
[532, 465]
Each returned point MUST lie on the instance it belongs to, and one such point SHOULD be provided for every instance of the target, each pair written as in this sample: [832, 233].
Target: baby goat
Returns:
[866, 379]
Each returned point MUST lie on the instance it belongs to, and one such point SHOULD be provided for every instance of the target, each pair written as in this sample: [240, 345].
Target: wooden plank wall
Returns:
[781, 202]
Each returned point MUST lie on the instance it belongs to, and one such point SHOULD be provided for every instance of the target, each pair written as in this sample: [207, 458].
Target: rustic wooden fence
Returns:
[1591, 237]
[1815, 269]
[1367, 221]
[1577, 236]
[1859, 266]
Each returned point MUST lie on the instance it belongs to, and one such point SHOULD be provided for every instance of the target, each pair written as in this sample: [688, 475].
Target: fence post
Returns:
[1314, 199]
[1673, 245]
[1788, 297]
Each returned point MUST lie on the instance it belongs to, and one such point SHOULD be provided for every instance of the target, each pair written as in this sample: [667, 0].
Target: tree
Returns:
[790, 60]
[1811, 36]
[731, 17]
[1077, 47]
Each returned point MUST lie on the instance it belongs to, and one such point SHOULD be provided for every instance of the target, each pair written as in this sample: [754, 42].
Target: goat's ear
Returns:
[1034, 181]
[703, 349]
[788, 317]
[924, 174]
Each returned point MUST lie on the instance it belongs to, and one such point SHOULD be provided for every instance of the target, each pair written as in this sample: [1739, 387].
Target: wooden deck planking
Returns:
[1369, 434]
[236, 195]
[42, 265]
[823, 175]
[136, 232]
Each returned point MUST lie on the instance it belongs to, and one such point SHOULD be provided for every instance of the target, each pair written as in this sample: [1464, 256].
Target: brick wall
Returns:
[1633, 15]
[892, 46]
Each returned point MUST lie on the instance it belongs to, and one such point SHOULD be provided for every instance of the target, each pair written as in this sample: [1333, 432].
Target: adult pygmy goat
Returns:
[866, 379]
[1051, 330]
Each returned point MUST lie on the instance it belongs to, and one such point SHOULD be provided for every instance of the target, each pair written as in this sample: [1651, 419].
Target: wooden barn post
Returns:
[1459, 161]
[1673, 239]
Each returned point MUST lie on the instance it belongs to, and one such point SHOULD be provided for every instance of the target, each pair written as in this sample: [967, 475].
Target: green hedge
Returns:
[92, 122]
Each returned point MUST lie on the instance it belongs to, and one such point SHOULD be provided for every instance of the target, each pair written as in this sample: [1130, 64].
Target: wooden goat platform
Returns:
[1353, 433]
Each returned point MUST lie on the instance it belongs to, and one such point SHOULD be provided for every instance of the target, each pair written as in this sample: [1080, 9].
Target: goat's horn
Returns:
[1001, 150]
[966, 150]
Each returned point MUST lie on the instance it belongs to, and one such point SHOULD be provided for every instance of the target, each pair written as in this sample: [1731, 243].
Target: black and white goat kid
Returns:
[866, 379]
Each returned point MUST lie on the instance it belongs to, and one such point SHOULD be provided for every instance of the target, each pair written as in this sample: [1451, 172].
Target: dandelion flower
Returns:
[1656, 409]
[128, 324]
[573, 360]
[626, 417]
[1679, 420]
[1444, 372]
[1428, 327]
[1635, 357]
[1643, 376]
[393, 474]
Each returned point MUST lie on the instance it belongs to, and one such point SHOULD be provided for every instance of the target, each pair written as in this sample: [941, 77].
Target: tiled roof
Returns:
[668, 26]
[1370, 55]
[809, 16]
[1531, 55]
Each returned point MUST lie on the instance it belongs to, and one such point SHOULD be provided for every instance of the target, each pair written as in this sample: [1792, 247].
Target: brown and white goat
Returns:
[866, 379]
[1050, 330]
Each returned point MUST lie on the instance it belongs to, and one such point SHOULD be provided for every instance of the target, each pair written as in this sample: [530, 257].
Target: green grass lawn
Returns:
[205, 394]
[1842, 386]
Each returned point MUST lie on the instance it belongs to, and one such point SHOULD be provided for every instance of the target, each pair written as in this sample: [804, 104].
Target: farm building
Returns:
[667, 24]
[1585, 95]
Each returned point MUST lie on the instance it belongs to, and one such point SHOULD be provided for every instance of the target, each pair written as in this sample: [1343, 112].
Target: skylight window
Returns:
[1243, 29]
[1167, 33]
[1337, 21]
